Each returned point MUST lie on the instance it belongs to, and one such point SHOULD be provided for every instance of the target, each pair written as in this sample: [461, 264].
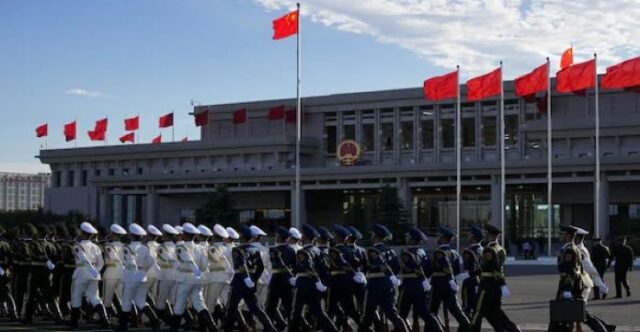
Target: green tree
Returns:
[392, 213]
[218, 209]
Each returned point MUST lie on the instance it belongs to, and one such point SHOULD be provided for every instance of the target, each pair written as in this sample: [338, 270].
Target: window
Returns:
[349, 132]
[448, 133]
[406, 135]
[58, 178]
[489, 131]
[330, 140]
[85, 178]
[70, 179]
[368, 137]
[139, 171]
[112, 172]
[468, 132]
[387, 136]
[96, 172]
[510, 130]
[427, 134]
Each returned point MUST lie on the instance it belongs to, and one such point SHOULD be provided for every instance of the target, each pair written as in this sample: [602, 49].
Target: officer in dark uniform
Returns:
[361, 263]
[6, 298]
[66, 275]
[341, 302]
[600, 255]
[324, 240]
[493, 286]
[471, 263]
[443, 266]
[382, 281]
[311, 276]
[280, 295]
[623, 256]
[415, 286]
[248, 267]
[21, 266]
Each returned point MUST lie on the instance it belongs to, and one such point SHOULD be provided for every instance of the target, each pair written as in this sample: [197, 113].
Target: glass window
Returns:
[427, 134]
[468, 132]
[70, 178]
[511, 130]
[85, 178]
[488, 131]
[58, 178]
[368, 137]
[330, 139]
[387, 136]
[448, 133]
[407, 135]
[349, 132]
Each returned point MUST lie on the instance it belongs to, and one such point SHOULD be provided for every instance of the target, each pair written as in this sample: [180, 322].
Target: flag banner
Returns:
[276, 113]
[487, 85]
[291, 115]
[130, 137]
[577, 77]
[441, 87]
[70, 131]
[157, 140]
[202, 118]
[185, 140]
[132, 124]
[240, 116]
[535, 81]
[623, 75]
[166, 121]
[566, 59]
[96, 135]
[542, 104]
[286, 25]
[101, 125]
[42, 130]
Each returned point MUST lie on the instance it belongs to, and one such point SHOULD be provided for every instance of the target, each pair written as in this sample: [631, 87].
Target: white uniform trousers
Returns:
[189, 291]
[214, 294]
[134, 292]
[84, 288]
[166, 292]
[111, 288]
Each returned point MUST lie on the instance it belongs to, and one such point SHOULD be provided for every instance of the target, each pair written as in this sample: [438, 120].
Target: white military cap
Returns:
[117, 229]
[580, 231]
[232, 233]
[204, 230]
[169, 229]
[179, 229]
[295, 233]
[257, 231]
[190, 229]
[153, 230]
[136, 229]
[88, 228]
[220, 231]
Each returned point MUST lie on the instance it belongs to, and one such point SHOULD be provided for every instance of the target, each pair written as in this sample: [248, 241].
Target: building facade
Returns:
[406, 142]
[19, 191]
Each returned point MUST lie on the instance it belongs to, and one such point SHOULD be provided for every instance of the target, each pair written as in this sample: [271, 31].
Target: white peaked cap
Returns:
[580, 231]
[232, 233]
[220, 231]
[136, 229]
[295, 233]
[88, 228]
[169, 229]
[257, 231]
[204, 230]
[153, 230]
[189, 228]
[179, 229]
[117, 229]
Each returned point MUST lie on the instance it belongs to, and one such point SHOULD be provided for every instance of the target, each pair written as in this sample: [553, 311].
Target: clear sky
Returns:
[74, 59]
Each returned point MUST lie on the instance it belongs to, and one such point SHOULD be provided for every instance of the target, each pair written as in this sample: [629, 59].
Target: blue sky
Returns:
[75, 59]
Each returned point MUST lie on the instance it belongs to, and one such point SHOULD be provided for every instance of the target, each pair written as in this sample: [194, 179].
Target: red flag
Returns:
[132, 124]
[240, 116]
[567, 58]
[96, 135]
[441, 87]
[42, 130]
[623, 75]
[286, 25]
[185, 140]
[130, 137]
[157, 140]
[577, 77]
[202, 118]
[291, 115]
[101, 125]
[276, 113]
[166, 121]
[70, 131]
[532, 82]
[484, 86]
[541, 103]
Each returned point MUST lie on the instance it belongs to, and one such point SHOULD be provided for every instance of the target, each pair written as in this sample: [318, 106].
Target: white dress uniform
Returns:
[220, 270]
[592, 276]
[191, 261]
[265, 278]
[167, 277]
[86, 275]
[112, 276]
[137, 263]
[152, 274]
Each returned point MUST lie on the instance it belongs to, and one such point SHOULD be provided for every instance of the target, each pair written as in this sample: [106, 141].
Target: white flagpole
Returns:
[173, 126]
[298, 126]
[458, 158]
[549, 161]
[503, 178]
[597, 209]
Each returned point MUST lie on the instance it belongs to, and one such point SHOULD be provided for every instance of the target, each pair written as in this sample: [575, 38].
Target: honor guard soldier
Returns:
[442, 267]
[623, 256]
[167, 275]
[344, 277]
[6, 298]
[600, 255]
[112, 276]
[415, 286]
[471, 263]
[88, 262]
[382, 281]
[21, 266]
[361, 256]
[219, 274]
[263, 283]
[153, 242]
[280, 295]
[591, 273]
[40, 270]
[493, 286]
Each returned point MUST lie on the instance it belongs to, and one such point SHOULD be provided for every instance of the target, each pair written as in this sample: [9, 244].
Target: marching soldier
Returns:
[6, 298]
[600, 254]
[154, 236]
[343, 279]
[21, 264]
[591, 273]
[623, 256]
[280, 294]
[470, 263]
[39, 284]
[167, 275]
[265, 278]
[219, 274]
[361, 263]
[112, 276]
[493, 286]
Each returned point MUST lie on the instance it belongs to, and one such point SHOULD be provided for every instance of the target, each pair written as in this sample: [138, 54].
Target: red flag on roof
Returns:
[291, 115]
[577, 77]
[623, 75]
[130, 137]
[202, 118]
[70, 131]
[157, 140]
[566, 59]
[96, 135]
[166, 121]
[42, 130]
[533, 82]
[276, 113]
[286, 25]
[441, 87]
[101, 125]
[484, 86]
[240, 116]
[132, 124]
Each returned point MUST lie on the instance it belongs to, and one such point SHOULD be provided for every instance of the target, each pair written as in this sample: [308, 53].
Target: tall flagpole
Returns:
[597, 226]
[298, 126]
[458, 158]
[503, 178]
[173, 126]
[549, 158]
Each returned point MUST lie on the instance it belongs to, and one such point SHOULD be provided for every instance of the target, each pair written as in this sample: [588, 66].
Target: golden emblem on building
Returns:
[348, 152]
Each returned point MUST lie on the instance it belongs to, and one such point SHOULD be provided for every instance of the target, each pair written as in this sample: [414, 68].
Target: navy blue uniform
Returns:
[470, 286]
[340, 299]
[359, 265]
[283, 260]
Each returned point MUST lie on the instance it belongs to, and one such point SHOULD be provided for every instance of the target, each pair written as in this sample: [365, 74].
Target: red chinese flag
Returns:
[202, 118]
[166, 121]
[130, 137]
[157, 140]
[577, 77]
[286, 25]
[441, 87]
[276, 113]
[132, 124]
[484, 86]
[101, 126]
[96, 135]
[240, 116]
[533, 82]
[567, 58]
[623, 75]
[70, 131]
[291, 115]
[42, 130]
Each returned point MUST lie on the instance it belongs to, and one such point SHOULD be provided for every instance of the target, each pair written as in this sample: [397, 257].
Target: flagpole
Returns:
[106, 137]
[298, 124]
[458, 158]
[597, 226]
[503, 178]
[549, 158]
[173, 126]
[75, 139]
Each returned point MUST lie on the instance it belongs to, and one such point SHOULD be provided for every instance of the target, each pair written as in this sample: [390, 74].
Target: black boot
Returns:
[218, 312]
[175, 323]
[167, 315]
[123, 321]
[154, 322]
[75, 317]
[11, 308]
[206, 321]
[134, 316]
[102, 313]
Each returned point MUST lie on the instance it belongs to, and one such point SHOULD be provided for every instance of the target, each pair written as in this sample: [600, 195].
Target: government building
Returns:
[401, 140]
[21, 191]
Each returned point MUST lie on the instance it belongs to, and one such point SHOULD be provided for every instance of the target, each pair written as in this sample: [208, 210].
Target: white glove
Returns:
[453, 285]
[462, 277]
[249, 283]
[426, 285]
[395, 281]
[197, 273]
[505, 291]
[266, 278]
[320, 287]
[566, 295]
[1, 271]
[50, 265]
[359, 278]
[292, 281]
[94, 272]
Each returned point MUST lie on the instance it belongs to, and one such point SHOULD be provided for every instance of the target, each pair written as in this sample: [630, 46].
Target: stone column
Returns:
[604, 207]
[151, 200]
[104, 210]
